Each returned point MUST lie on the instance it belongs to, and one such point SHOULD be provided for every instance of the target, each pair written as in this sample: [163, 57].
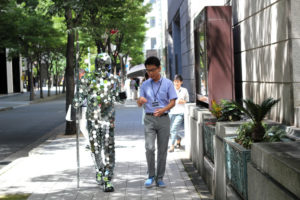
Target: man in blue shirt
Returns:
[158, 96]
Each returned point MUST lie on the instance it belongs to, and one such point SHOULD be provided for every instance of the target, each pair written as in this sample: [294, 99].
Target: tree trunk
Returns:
[258, 132]
[49, 70]
[69, 76]
[122, 72]
[56, 79]
[98, 44]
[114, 64]
[64, 84]
[40, 78]
[30, 79]
[48, 78]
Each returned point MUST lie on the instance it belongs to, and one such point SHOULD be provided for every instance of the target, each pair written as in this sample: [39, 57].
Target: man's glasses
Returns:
[151, 70]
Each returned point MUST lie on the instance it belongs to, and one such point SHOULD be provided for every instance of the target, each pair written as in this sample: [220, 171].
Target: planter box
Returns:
[209, 132]
[274, 171]
[223, 130]
[236, 159]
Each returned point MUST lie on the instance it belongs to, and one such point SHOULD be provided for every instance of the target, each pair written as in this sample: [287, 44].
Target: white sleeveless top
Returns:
[182, 93]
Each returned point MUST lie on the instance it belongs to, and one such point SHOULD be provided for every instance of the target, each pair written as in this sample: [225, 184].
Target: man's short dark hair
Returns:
[178, 77]
[152, 60]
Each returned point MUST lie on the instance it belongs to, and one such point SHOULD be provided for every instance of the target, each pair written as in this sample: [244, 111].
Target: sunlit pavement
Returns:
[50, 171]
[15, 100]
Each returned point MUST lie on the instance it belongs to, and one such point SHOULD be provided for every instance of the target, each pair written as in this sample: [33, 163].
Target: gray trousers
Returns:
[157, 127]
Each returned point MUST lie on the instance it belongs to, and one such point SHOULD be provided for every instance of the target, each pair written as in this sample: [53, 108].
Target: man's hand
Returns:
[141, 101]
[158, 112]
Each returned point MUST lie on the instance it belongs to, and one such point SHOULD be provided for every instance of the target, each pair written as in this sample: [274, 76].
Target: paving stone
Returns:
[51, 169]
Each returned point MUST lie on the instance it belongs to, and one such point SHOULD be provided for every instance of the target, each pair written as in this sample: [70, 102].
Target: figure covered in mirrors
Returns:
[98, 91]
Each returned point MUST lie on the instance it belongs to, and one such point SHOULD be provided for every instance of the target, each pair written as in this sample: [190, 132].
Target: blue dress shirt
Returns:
[163, 90]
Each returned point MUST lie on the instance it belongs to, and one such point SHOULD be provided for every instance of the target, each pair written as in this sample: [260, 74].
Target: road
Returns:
[24, 126]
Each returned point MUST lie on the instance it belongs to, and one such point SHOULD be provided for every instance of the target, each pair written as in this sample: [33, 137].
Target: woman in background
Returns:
[177, 112]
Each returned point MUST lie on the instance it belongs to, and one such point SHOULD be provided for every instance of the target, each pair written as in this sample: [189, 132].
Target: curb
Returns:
[11, 165]
[49, 136]
[10, 95]
[51, 98]
[6, 108]
[198, 183]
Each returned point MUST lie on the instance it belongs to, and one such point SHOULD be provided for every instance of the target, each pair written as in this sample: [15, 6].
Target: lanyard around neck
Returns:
[155, 95]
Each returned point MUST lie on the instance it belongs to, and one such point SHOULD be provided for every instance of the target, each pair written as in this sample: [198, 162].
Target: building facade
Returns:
[11, 74]
[155, 38]
[266, 45]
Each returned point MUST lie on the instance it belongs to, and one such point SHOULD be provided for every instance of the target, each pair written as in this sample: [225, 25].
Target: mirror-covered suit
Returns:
[100, 90]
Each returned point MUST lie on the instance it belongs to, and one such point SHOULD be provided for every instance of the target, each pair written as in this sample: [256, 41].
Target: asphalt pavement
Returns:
[25, 124]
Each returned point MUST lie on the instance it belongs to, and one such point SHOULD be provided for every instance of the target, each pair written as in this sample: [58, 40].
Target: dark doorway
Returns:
[16, 74]
[3, 72]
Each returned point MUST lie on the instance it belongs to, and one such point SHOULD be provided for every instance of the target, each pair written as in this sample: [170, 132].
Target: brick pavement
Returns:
[50, 170]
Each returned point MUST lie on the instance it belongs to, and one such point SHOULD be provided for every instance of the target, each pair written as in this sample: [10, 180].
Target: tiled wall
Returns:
[267, 52]
[267, 49]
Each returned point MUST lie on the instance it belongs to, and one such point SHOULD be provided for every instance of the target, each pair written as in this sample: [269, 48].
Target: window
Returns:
[152, 1]
[152, 21]
[153, 43]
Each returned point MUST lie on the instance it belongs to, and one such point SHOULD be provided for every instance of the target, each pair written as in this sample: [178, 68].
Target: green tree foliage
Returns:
[9, 12]
[73, 12]
[95, 19]
[26, 30]
[33, 28]
[121, 23]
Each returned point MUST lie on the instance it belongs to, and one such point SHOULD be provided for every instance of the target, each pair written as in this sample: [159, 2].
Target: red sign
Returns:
[113, 31]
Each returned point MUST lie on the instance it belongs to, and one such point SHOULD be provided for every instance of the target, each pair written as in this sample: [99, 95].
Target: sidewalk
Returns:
[15, 100]
[50, 170]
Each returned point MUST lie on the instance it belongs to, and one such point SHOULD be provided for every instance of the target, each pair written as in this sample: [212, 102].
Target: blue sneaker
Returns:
[160, 184]
[149, 182]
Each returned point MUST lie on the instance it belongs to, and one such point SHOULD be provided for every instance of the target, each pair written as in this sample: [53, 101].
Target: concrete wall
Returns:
[274, 168]
[213, 174]
[272, 174]
[266, 53]
[9, 72]
[267, 49]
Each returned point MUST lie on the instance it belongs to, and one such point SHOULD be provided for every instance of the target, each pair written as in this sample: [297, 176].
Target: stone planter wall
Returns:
[204, 165]
[209, 132]
[213, 170]
[223, 130]
[236, 159]
[274, 171]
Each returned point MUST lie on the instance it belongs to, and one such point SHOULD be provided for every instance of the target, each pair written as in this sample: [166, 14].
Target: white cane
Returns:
[77, 110]
[69, 118]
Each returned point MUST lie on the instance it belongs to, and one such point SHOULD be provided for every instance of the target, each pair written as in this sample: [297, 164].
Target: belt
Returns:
[153, 114]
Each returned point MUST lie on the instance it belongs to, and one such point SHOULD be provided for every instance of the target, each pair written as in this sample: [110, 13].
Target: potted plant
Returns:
[256, 130]
[237, 150]
[224, 111]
